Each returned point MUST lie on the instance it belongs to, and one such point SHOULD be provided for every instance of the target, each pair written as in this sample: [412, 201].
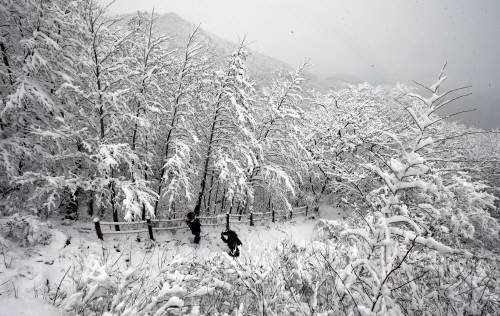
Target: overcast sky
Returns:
[378, 41]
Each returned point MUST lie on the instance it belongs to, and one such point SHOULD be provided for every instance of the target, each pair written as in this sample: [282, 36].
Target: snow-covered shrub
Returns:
[181, 287]
[329, 229]
[474, 201]
[416, 243]
[412, 251]
[218, 284]
[349, 275]
[26, 230]
[360, 274]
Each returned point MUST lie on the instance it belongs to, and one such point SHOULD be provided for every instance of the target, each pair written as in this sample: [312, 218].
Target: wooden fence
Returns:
[152, 225]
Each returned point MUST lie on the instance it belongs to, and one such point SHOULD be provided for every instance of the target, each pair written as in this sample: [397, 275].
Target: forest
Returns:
[101, 116]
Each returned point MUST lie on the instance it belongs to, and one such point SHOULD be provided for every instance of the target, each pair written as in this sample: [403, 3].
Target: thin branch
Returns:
[448, 102]
[448, 116]
[59, 286]
[414, 279]
[379, 294]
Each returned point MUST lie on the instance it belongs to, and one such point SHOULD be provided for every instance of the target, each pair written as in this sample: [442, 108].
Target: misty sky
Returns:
[377, 41]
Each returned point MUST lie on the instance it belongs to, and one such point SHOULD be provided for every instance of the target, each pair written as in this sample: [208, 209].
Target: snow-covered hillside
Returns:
[110, 127]
[261, 67]
[33, 277]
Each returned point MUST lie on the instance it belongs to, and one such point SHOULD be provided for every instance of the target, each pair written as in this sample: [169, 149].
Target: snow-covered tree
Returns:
[176, 170]
[228, 152]
[149, 67]
[36, 66]
[418, 220]
[344, 127]
[279, 136]
[113, 173]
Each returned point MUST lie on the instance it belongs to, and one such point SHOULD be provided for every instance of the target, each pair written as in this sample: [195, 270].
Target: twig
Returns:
[340, 278]
[414, 279]
[379, 294]
[59, 286]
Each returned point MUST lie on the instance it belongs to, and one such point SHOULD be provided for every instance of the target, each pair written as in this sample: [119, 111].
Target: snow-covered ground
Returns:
[26, 307]
[31, 273]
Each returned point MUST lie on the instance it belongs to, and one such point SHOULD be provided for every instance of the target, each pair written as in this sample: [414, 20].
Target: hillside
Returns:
[261, 67]
[138, 179]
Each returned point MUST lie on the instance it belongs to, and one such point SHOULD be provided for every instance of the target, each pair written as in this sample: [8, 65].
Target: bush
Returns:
[181, 287]
[26, 230]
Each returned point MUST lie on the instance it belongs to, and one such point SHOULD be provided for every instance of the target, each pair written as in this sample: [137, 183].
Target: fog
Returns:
[376, 41]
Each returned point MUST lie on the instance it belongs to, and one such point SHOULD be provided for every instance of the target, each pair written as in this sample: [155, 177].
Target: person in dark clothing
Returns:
[195, 226]
[231, 239]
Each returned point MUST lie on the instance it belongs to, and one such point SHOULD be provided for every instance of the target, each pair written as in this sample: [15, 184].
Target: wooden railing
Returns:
[152, 225]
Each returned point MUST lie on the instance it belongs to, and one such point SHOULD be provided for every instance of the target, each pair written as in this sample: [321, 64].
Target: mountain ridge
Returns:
[262, 67]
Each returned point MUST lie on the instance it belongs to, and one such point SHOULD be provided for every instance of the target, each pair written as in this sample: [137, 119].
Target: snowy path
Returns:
[257, 241]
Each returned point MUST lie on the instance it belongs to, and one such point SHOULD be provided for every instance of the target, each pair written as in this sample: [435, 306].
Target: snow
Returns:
[174, 301]
[332, 213]
[35, 270]
[257, 240]
[31, 267]
[11, 306]
[38, 270]
[109, 127]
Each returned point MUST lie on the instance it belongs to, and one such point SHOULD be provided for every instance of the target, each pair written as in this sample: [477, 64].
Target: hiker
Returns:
[195, 226]
[231, 239]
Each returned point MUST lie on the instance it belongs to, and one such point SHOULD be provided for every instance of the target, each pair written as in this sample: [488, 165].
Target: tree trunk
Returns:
[216, 196]
[6, 62]
[239, 210]
[167, 149]
[223, 201]
[208, 202]
[113, 200]
[207, 161]
[91, 205]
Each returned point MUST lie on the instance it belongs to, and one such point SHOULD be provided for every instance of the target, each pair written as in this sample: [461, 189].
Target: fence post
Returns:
[272, 210]
[150, 227]
[307, 208]
[251, 218]
[98, 228]
[227, 221]
[291, 213]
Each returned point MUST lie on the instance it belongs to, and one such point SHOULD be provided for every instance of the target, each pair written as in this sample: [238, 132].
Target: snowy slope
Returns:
[34, 272]
[30, 268]
[26, 307]
[262, 67]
